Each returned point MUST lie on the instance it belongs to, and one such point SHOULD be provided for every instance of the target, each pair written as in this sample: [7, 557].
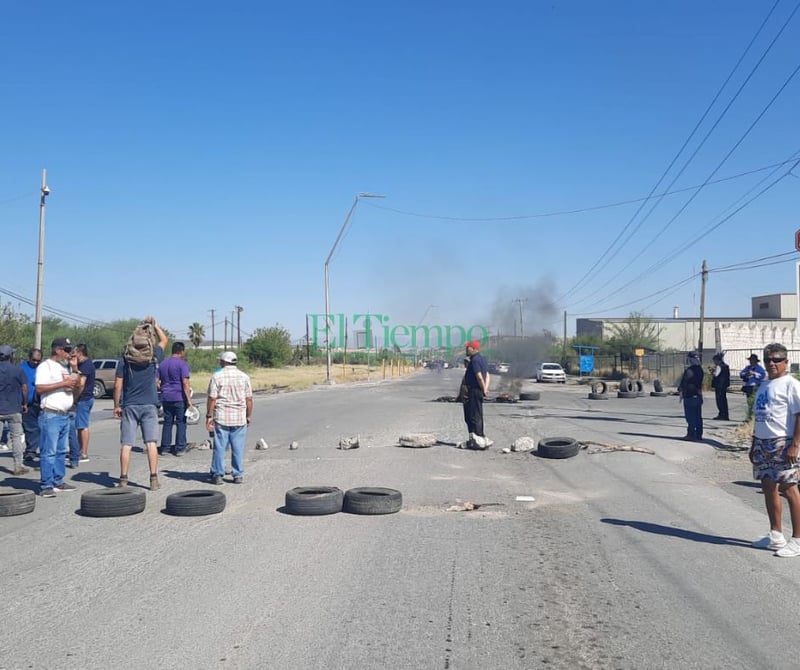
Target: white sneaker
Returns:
[792, 548]
[775, 540]
[3, 446]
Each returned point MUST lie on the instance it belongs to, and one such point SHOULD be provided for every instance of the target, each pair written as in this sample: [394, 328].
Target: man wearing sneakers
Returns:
[776, 449]
[228, 413]
[54, 386]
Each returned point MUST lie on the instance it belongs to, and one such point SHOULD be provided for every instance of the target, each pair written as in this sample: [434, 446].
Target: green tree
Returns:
[269, 347]
[196, 334]
[636, 332]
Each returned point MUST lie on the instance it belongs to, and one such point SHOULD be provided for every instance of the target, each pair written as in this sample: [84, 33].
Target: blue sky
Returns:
[203, 156]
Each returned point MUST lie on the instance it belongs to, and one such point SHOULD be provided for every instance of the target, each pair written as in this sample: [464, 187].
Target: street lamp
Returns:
[327, 288]
[37, 341]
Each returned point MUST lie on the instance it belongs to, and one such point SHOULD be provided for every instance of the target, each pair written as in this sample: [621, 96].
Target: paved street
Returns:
[623, 560]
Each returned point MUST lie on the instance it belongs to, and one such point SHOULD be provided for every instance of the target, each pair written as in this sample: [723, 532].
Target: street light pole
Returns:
[327, 282]
[37, 340]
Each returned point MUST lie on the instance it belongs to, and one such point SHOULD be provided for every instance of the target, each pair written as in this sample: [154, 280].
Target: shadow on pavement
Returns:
[658, 529]
[20, 483]
[187, 476]
[99, 478]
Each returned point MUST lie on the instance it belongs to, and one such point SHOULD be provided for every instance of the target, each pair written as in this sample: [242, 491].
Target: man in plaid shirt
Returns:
[228, 413]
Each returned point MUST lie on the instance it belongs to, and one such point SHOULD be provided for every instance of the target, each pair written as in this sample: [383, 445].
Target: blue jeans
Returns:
[30, 425]
[174, 412]
[74, 443]
[53, 437]
[234, 436]
[693, 411]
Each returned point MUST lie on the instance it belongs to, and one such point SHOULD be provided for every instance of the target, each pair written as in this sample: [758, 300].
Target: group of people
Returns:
[49, 401]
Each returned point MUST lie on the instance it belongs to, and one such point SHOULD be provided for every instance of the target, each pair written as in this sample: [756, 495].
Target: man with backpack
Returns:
[136, 396]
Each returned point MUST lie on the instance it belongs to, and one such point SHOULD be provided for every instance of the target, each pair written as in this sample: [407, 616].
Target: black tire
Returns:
[530, 395]
[599, 387]
[659, 394]
[641, 394]
[598, 396]
[112, 502]
[625, 385]
[558, 447]
[368, 500]
[638, 385]
[627, 394]
[314, 500]
[198, 502]
[99, 389]
[16, 502]
[658, 387]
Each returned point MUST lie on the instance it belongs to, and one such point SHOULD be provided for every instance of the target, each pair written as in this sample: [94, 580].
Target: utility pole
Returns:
[704, 275]
[564, 346]
[519, 302]
[225, 342]
[213, 344]
[40, 269]
[239, 311]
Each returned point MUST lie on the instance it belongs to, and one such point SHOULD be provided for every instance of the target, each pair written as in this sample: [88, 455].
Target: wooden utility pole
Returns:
[213, 344]
[704, 276]
[564, 347]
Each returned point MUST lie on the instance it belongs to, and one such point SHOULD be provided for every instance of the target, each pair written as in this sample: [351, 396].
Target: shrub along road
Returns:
[622, 560]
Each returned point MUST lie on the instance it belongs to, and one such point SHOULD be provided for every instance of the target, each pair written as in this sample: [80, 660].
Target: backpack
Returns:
[141, 346]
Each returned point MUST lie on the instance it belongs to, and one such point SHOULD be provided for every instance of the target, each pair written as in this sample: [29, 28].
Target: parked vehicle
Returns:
[502, 368]
[551, 372]
[105, 370]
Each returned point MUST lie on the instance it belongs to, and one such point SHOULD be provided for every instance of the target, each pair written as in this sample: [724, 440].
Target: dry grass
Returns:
[304, 376]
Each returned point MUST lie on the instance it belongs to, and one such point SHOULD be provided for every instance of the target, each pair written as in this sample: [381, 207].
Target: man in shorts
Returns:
[136, 403]
[775, 449]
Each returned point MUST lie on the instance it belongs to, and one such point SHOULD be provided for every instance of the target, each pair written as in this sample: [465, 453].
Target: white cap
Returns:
[228, 357]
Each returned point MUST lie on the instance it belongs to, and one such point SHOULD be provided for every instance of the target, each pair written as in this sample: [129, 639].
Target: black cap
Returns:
[62, 343]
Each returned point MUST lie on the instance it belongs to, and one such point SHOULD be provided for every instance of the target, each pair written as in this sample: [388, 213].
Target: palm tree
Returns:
[196, 334]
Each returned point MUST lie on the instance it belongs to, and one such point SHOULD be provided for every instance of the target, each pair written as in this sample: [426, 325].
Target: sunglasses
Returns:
[774, 359]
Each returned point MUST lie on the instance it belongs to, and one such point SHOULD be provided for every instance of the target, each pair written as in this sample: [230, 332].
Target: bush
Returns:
[269, 347]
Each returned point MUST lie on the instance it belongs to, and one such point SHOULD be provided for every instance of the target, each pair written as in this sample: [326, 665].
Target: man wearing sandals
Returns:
[776, 448]
[136, 403]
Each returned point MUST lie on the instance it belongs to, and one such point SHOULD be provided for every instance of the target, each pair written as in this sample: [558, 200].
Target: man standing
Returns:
[83, 408]
[30, 419]
[13, 403]
[175, 399]
[476, 379]
[752, 375]
[229, 410]
[720, 384]
[136, 403]
[775, 449]
[691, 393]
[55, 387]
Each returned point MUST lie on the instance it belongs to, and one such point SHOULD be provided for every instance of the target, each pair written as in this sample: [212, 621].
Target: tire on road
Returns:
[658, 387]
[627, 394]
[558, 447]
[598, 396]
[112, 502]
[529, 395]
[638, 385]
[197, 502]
[16, 502]
[625, 385]
[314, 500]
[659, 394]
[372, 500]
[599, 387]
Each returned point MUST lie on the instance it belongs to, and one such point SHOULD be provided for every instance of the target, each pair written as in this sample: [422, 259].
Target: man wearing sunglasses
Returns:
[776, 447]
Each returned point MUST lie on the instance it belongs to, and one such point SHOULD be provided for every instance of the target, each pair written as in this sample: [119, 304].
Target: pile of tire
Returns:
[599, 391]
[322, 500]
[16, 502]
[658, 390]
[558, 447]
[628, 388]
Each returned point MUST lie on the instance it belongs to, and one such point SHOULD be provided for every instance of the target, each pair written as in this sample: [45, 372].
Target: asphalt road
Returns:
[623, 560]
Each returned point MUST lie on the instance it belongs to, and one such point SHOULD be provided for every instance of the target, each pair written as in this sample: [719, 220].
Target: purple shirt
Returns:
[172, 372]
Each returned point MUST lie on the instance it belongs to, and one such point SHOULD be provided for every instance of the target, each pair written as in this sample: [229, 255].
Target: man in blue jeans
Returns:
[30, 419]
[55, 386]
[176, 397]
[229, 412]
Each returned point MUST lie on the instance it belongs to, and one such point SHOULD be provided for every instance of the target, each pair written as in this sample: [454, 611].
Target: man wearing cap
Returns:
[13, 402]
[229, 410]
[690, 388]
[55, 387]
[136, 404]
[175, 398]
[752, 375]
[720, 384]
[476, 379]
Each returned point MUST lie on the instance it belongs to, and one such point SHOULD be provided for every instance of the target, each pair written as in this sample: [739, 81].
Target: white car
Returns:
[551, 372]
[502, 368]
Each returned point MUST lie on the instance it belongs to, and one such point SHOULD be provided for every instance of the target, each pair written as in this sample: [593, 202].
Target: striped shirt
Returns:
[230, 387]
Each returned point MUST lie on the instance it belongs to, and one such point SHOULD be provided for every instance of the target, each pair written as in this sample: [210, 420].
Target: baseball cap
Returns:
[227, 357]
[7, 351]
[752, 356]
[473, 344]
[62, 343]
